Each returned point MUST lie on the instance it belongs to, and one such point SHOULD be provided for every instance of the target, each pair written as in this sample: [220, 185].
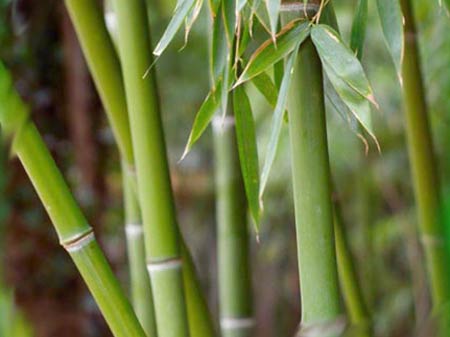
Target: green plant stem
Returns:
[423, 165]
[200, 322]
[141, 291]
[154, 187]
[232, 234]
[351, 289]
[75, 234]
[312, 195]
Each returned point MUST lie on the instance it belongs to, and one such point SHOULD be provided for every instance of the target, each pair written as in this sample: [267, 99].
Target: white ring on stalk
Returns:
[164, 265]
[133, 230]
[298, 6]
[80, 242]
[220, 123]
[231, 323]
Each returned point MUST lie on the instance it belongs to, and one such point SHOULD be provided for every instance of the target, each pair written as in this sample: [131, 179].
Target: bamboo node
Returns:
[335, 327]
[133, 230]
[432, 240]
[164, 265]
[79, 242]
[222, 123]
[237, 323]
[309, 8]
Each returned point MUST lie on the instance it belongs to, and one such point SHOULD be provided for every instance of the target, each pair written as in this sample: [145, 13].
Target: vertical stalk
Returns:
[423, 165]
[141, 291]
[312, 194]
[105, 68]
[351, 289]
[232, 234]
[154, 187]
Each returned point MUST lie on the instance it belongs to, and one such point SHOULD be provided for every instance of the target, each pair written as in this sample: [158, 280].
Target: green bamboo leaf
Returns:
[248, 152]
[392, 21]
[277, 120]
[273, 9]
[219, 49]
[204, 117]
[359, 27]
[341, 59]
[214, 7]
[267, 88]
[191, 18]
[269, 53]
[181, 12]
[357, 104]
[229, 18]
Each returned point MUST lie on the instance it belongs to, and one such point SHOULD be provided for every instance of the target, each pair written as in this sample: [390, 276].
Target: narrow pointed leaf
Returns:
[341, 59]
[277, 120]
[273, 9]
[229, 18]
[359, 28]
[203, 117]
[357, 104]
[248, 152]
[180, 14]
[267, 88]
[269, 53]
[392, 20]
[219, 49]
[214, 7]
[191, 18]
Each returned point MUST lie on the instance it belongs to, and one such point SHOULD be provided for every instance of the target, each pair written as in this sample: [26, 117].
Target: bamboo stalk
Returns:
[424, 169]
[154, 188]
[312, 194]
[200, 323]
[351, 289]
[75, 235]
[141, 291]
[232, 234]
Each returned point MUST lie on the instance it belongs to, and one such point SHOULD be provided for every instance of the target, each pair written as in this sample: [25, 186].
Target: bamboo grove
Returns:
[303, 66]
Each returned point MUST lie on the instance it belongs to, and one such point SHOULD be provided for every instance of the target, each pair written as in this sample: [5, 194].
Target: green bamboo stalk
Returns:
[348, 279]
[154, 188]
[141, 291]
[312, 194]
[232, 234]
[75, 235]
[200, 322]
[424, 169]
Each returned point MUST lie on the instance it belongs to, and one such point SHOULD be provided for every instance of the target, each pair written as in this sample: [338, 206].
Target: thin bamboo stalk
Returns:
[162, 241]
[141, 291]
[312, 194]
[235, 291]
[200, 323]
[423, 165]
[75, 235]
[351, 289]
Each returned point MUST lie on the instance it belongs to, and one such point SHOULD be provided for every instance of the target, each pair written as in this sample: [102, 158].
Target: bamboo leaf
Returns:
[229, 19]
[277, 120]
[357, 104]
[181, 12]
[267, 88]
[392, 21]
[269, 53]
[191, 18]
[359, 27]
[203, 117]
[341, 59]
[214, 7]
[273, 9]
[219, 49]
[248, 152]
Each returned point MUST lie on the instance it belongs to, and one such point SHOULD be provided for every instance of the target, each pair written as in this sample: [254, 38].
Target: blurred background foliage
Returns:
[39, 285]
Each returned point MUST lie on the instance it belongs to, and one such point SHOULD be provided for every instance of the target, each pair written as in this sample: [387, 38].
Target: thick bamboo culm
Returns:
[161, 234]
[312, 193]
[74, 233]
[88, 20]
[235, 291]
[424, 169]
